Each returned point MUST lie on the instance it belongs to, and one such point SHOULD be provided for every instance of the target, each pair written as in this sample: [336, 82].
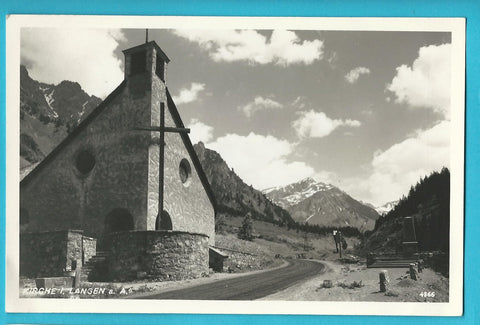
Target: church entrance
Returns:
[163, 222]
[118, 219]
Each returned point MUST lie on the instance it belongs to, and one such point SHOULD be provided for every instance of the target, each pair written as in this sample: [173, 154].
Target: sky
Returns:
[367, 111]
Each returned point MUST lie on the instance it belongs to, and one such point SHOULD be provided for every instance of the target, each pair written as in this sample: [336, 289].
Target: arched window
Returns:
[164, 222]
[118, 219]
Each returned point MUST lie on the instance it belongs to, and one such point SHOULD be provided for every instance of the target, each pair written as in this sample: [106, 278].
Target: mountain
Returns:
[233, 196]
[383, 209]
[429, 203]
[322, 204]
[47, 113]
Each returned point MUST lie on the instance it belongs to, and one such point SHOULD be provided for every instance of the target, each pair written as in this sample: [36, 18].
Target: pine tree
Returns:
[246, 230]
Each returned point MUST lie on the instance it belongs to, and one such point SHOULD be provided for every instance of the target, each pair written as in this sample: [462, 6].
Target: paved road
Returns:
[248, 287]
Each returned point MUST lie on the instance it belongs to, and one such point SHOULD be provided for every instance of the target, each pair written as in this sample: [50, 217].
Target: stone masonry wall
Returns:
[49, 254]
[74, 249]
[43, 254]
[89, 248]
[157, 255]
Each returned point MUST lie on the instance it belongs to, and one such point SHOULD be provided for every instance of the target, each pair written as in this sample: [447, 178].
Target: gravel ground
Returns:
[401, 289]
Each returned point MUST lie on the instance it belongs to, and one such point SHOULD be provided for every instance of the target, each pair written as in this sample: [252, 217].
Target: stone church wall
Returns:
[157, 255]
[125, 175]
[187, 203]
[123, 178]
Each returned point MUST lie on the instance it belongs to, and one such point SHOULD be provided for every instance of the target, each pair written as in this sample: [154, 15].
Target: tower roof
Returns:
[145, 46]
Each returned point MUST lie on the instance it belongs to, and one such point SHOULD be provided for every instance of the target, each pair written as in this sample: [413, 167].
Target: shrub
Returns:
[246, 230]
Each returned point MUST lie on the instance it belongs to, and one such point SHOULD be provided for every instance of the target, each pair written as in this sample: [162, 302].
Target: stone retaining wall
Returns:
[89, 248]
[157, 255]
[50, 254]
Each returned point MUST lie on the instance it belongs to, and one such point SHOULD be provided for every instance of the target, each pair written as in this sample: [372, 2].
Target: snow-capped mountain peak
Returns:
[386, 207]
[324, 204]
[296, 192]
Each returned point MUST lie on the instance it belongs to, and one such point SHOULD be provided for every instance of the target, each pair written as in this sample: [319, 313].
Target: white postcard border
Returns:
[453, 308]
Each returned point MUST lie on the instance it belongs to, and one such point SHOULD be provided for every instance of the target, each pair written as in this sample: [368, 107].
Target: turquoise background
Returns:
[399, 8]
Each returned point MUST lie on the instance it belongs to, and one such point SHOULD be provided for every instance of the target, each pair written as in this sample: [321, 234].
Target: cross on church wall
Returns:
[162, 129]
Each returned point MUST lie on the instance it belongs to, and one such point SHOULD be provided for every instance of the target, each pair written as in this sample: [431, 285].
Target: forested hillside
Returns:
[429, 202]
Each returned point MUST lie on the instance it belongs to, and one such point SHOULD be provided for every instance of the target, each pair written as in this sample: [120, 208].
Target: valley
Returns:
[292, 225]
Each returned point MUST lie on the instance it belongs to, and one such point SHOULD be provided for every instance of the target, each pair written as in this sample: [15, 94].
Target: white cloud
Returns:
[259, 103]
[200, 131]
[426, 83]
[82, 55]
[354, 74]
[332, 60]
[318, 124]
[261, 160]
[300, 102]
[326, 177]
[402, 165]
[189, 95]
[282, 48]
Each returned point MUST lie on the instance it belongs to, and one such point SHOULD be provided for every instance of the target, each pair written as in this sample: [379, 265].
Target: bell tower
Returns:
[146, 82]
[143, 64]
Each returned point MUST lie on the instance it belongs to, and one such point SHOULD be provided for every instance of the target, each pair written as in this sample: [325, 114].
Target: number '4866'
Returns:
[427, 294]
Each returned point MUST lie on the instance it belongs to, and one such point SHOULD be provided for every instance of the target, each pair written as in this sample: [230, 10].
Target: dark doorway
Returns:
[118, 219]
[164, 222]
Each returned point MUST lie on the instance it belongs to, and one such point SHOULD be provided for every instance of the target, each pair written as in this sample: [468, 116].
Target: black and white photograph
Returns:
[235, 165]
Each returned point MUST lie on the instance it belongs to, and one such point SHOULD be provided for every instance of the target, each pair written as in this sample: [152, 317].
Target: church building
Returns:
[124, 195]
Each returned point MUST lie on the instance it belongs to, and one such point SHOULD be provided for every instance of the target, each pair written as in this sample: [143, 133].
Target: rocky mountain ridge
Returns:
[322, 204]
[48, 113]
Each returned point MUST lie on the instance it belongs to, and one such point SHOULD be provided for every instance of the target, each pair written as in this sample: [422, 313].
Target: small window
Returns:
[185, 172]
[160, 68]
[85, 162]
[138, 62]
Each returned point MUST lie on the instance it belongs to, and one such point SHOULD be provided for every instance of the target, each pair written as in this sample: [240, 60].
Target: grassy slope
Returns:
[271, 240]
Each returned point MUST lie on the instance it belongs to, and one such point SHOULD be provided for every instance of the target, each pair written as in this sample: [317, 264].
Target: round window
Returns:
[85, 162]
[185, 172]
